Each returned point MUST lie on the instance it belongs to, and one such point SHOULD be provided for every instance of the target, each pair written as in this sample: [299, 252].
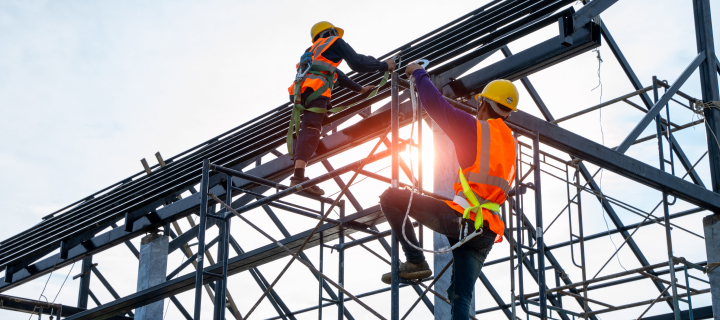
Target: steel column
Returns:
[341, 265]
[84, 289]
[709, 83]
[539, 226]
[625, 65]
[395, 252]
[666, 209]
[201, 237]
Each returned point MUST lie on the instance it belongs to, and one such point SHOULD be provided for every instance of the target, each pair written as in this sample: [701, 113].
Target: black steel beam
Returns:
[84, 287]
[698, 313]
[660, 104]
[274, 298]
[625, 65]
[281, 167]
[109, 288]
[709, 84]
[493, 293]
[590, 11]
[286, 234]
[42, 307]
[480, 79]
[526, 62]
[104, 241]
[254, 258]
[633, 169]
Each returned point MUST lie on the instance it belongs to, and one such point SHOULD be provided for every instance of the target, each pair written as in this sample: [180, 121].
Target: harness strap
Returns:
[473, 205]
[298, 108]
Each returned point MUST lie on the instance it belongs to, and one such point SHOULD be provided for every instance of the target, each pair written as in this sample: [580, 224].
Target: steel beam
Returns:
[254, 258]
[42, 307]
[589, 11]
[286, 234]
[84, 288]
[625, 65]
[526, 62]
[623, 165]
[660, 104]
[709, 84]
[493, 293]
[698, 313]
[606, 205]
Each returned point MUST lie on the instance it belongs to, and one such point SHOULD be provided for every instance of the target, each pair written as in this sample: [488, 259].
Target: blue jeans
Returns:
[467, 263]
[468, 259]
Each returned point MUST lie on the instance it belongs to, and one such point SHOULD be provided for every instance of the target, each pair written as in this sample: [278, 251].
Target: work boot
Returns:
[313, 190]
[410, 271]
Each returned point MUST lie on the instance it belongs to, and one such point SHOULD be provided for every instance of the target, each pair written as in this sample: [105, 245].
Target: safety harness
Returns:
[308, 67]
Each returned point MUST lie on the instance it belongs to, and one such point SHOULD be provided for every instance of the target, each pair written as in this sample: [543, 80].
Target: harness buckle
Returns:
[304, 65]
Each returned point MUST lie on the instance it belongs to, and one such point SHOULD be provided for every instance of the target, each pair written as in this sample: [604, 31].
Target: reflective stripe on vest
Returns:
[484, 185]
[319, 64]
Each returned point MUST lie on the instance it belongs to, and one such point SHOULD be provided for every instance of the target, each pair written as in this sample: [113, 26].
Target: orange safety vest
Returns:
[319, 64]
[490, 177]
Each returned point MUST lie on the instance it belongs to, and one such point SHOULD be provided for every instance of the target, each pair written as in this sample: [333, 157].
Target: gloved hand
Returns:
[411, 68]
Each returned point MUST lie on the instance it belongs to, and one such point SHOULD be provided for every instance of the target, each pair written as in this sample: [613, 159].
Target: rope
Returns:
[699, 106]
[63, 284]
[42, 293]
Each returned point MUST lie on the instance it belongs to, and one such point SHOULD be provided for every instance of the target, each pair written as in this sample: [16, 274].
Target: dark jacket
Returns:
[341, 50]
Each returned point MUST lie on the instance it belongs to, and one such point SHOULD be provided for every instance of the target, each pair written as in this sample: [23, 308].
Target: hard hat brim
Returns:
[340, 31]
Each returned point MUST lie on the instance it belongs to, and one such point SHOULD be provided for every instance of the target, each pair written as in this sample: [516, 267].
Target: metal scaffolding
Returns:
[222, 187]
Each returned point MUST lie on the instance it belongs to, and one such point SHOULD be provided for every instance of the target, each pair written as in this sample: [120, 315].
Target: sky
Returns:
[88, 88]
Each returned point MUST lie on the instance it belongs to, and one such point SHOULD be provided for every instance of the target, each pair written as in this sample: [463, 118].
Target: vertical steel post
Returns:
[666, 209]
[395, 259]
[709, 86]
[223, 255]
[420, 146]
[84, 290]
[582, 239]
[512, 261]
[320, 279]
[669, 137]
[218, 302]
[201, 236]
[395, 279]
[539, 225]
[709, 83]
[395, 128]
[689, 297]
[420, 161]
[341, 263]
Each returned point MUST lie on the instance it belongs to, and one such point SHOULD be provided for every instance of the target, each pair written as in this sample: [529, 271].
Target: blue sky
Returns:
[88, 88]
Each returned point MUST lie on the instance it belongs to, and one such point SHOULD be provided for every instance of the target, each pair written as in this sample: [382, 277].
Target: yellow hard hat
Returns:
[322, 26]
[502, 92]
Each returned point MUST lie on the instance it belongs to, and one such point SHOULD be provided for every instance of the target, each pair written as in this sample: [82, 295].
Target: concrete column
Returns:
[711, 226]
[444, 176]
[152, 271]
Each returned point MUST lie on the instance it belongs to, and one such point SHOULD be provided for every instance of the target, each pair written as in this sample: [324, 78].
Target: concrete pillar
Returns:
[711, 226]
[152, 271]
[444, 176]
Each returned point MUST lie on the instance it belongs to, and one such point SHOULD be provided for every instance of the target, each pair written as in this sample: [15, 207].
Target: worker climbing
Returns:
[317, 74]
[486, 152]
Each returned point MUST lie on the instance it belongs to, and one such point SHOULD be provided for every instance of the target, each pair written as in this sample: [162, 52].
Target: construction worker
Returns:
[486, 152]
[328, 52]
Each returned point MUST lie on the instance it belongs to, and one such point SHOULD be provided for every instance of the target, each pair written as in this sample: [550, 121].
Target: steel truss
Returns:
[213, 173]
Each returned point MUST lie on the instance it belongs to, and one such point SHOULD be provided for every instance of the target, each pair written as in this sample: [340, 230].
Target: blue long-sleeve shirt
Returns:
[460, 127]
